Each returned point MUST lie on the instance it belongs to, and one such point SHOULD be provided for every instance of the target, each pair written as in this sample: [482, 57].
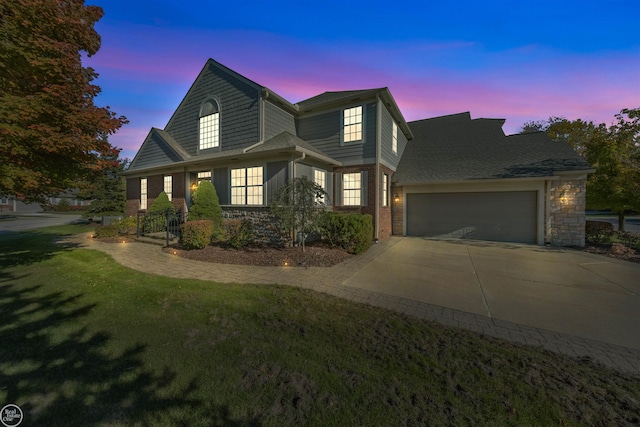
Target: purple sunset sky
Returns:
[499, 59]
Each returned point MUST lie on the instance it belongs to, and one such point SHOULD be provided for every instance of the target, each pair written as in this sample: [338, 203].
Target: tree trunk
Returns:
[621, 221]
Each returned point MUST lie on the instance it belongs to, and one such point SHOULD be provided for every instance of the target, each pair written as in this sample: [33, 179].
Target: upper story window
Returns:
[168, 186]
[209, 125]
[247, 186]
[143, 193]
[394, 139]
[352, 127]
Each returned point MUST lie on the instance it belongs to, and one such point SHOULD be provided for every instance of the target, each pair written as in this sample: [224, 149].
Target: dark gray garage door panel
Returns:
[497, 216]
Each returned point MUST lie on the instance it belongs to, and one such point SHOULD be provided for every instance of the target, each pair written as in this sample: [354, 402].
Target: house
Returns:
[448, 176]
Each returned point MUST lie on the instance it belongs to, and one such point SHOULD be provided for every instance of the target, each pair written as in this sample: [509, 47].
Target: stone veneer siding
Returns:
[266, 229]
[567, 200]
[397, 211]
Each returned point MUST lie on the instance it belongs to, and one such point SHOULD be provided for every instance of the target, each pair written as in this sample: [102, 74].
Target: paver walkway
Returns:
[151, 259]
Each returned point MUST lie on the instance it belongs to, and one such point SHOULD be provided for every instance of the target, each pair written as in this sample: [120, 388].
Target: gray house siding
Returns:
[221, 182]
[238, 100]
[276, 121]
[277, 176]
[155, 152]
[387, 156]
[323, 132]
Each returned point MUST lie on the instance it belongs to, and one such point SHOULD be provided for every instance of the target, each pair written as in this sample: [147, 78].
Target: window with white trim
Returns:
[204, 176]
[385, 190]
[352, 124]
[351, 189]
[394, 139]
[168, 186]
[143, 193]
[209, 125]
[247, 186]
[320, 178]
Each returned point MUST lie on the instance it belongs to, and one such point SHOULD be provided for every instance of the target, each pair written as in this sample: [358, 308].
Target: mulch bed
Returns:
[616, 250]
[315, 255]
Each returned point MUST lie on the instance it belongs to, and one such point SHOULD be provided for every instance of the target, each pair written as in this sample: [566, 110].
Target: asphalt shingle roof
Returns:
[328, 97]
[457, 148]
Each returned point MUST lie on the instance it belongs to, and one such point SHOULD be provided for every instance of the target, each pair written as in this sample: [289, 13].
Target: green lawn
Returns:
[85, 341]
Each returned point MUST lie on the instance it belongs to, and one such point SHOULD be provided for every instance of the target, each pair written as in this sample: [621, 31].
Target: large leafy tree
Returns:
[52, 136]
[614, 151]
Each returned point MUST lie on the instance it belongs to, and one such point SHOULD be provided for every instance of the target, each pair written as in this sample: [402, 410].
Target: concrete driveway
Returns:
[560, 290]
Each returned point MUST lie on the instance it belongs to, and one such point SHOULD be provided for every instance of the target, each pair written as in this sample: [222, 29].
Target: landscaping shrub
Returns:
[629, 239]
[352, 232]
[599, 232]
[206, 205]
[239, 232]
[107, 231]
[161, 204]
[197, 234]
[126, 226]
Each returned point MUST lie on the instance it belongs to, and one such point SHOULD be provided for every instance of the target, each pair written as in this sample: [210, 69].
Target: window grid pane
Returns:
[143, 193]
[209, 131]
[394, 141]
[168, 186]
[385, 193]
[320, 178]
[353, 124]
[351, 189]
[247, 186]
[204, 176]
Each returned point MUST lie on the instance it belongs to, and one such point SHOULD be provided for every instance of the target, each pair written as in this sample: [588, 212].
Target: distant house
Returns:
[13, 204]
[447, 176]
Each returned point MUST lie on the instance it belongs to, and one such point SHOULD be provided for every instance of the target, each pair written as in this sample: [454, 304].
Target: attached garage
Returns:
[504, 216]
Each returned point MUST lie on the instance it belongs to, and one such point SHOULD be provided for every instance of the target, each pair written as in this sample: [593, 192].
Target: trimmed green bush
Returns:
[239, 232]
[351, 231]
[107, 231]
[161, 204]
[206, 205]
[197, 234]
[126, 225]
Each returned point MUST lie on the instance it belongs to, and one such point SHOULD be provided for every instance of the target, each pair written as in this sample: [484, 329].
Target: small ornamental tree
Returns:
[299, 206]
[205, 204]
[161, 204]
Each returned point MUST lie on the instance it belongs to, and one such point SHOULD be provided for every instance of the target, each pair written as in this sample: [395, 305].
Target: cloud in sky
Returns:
[150, 58]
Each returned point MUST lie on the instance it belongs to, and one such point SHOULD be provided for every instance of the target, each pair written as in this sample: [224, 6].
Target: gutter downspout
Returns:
[377, 178]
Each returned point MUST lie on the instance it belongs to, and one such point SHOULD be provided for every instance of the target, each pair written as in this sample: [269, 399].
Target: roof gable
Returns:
[158, 148]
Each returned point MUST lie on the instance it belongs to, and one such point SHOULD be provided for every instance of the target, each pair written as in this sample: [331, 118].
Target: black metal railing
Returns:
[164, 224]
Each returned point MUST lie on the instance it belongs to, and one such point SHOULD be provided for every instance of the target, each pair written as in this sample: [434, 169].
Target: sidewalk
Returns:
[330, 280]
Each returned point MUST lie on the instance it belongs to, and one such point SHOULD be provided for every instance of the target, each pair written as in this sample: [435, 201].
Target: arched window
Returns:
[209, 125]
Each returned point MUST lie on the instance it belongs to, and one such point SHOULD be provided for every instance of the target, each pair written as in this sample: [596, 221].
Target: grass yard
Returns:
[85, 341]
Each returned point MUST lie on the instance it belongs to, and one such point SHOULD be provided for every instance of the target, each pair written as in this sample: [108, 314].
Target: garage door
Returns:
[497, 216]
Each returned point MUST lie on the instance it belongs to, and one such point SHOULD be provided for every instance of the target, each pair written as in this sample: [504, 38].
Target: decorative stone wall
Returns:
[266, 227]
[567, 199]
